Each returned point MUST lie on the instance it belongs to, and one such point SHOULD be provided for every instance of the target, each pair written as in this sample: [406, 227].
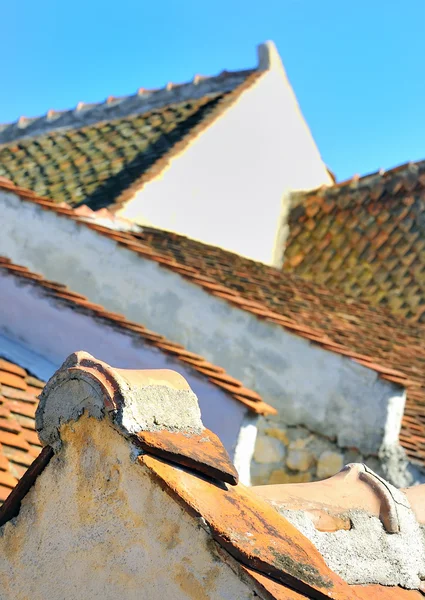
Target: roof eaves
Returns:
[196, 363]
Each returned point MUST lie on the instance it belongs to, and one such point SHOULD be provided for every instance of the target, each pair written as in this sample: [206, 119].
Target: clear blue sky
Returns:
[357, 67]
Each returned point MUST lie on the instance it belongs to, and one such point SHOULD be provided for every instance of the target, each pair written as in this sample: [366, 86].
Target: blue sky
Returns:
[357, 67]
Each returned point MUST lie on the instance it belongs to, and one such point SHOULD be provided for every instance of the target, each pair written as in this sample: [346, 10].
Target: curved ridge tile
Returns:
[134, 400]
[252, 532]
[203, 452]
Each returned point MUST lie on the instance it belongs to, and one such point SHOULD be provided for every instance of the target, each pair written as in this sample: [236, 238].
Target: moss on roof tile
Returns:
[97, 163]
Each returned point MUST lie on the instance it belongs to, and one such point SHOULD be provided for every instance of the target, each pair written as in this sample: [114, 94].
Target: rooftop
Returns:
[19, 443]
[215, 374]
[364, 236]
[101, 154]
[353, 328]
[250, 529]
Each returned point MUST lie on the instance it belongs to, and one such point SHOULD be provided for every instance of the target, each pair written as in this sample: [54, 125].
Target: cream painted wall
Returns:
[95, 525]
[310, 386]
[230, 187]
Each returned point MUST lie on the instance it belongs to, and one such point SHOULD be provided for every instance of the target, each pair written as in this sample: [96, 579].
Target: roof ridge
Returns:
[359, 181]
[171, 427]
[203, 367]
[113, 107]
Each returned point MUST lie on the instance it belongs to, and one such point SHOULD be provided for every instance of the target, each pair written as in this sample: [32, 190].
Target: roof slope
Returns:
[19, 443]
[78, 160]
[354, 328]
[366, 237]
[78, 302]
[368, 334]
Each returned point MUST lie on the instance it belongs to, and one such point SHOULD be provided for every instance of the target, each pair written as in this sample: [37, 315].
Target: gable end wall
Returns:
[230, 187]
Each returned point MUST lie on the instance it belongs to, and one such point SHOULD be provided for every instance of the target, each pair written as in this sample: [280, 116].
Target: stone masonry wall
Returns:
[292, 454]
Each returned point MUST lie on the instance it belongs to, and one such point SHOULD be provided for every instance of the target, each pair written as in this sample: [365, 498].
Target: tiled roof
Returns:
[19, 443]
[256, 541]
[367, 334]
[350, 327]
[365, 236]
[202, 367]
[106, 162]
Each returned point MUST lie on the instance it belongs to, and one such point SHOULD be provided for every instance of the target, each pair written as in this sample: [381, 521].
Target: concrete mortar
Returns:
[367, 554]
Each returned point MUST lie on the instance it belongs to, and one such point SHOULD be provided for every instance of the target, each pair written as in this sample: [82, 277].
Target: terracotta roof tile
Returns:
[201, 452]
[25, 409]
[6, 479]
[14, 441]
[11, 380]
[374, 232]
[9, 367]
[252, 532]
[267, 587]
[4, 463]
[4, 492]
[17, 394]
[10, 425]
[12, 499]
[23, 458]
[31, 437]
[18, 445]
[344, 325]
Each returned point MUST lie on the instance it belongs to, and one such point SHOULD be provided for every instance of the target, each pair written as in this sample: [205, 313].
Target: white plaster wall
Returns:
[326, 392]
[230, 187]
[95, 525]
[55, 331]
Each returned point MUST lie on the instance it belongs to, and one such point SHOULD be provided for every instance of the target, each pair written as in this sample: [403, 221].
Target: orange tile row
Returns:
[19, 443]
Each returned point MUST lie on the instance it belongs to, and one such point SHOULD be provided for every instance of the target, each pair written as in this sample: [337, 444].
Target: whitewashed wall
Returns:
[54, 331]
[229, 188]
[326, 392]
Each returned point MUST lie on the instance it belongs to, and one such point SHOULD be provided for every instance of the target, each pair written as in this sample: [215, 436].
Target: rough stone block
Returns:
[278, 433]
[329, 463]
[269, 450]
[260, 474]
[299, 459]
